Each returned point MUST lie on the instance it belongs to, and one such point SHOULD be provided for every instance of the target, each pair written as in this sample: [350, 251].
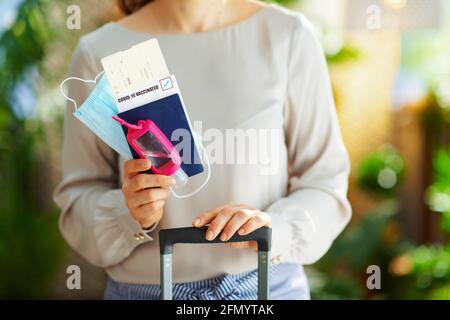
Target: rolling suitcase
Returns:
[169, 237]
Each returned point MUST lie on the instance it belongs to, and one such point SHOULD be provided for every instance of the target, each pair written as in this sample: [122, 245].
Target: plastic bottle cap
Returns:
[181, 177]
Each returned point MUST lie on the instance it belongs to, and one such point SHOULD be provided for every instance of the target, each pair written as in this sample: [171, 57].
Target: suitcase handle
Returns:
[169, 237]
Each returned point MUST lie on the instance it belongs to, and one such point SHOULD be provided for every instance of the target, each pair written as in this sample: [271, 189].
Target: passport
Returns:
[169, 115]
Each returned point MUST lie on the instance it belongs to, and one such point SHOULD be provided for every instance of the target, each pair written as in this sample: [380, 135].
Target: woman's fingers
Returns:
[147, 196]
[229, 219]
[133, 167]
[219, 222]
[137, 181]
[207, 217]
[258, 221]
[145, 181]
[239, 218]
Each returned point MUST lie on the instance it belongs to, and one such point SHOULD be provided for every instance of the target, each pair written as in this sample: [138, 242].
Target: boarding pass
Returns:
[128, 69]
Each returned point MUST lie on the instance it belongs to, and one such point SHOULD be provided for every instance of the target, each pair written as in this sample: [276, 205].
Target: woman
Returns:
[241, 65]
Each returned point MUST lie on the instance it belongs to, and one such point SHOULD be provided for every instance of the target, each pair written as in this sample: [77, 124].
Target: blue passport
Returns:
[169, 115]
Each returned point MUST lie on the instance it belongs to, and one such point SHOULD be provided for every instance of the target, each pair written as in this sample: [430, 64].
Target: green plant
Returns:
[438, 194]
[345, 54]
[381, 173]
[431, 264]
[430, 271]
[30, 244]
[424, 270]
[284, 2]
[375, 240]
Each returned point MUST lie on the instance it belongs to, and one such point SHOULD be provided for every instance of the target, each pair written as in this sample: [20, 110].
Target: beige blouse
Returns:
[267, 72]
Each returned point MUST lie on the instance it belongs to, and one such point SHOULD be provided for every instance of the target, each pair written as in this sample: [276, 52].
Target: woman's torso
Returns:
[231, 79]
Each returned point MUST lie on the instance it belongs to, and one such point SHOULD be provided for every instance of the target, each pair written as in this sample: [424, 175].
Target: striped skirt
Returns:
[287, 282]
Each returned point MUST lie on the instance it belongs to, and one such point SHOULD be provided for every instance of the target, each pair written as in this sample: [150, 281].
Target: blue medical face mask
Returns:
[96, 113]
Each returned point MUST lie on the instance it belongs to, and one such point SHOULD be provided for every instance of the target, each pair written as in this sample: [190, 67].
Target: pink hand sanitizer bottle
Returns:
[149, 142]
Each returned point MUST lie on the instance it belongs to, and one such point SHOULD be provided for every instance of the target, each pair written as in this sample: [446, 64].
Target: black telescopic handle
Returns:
[169, 237]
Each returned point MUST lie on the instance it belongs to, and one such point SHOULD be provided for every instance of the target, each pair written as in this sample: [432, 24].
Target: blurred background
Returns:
[389, 63]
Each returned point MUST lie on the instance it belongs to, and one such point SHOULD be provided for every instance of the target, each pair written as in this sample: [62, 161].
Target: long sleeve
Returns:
[316, 208]
[94, 219]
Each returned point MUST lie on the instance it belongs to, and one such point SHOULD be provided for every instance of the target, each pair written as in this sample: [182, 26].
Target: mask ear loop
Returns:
[61, 86]
[208, 176]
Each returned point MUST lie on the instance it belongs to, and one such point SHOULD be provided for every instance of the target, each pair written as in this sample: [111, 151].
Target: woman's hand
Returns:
[231, 218]
[145, 194]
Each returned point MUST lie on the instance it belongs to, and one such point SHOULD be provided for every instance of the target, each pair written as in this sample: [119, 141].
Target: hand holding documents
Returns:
[137, 109]
[144, 90]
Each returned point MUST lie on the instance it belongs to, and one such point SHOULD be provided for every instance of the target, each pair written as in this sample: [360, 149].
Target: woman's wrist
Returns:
[150, 228]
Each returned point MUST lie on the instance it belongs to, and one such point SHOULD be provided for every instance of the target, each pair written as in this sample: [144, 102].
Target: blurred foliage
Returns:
[431, 264]
[370, 228]
[30, 245]
[345, 54]
[410, 272]
[382, 172]
[430, 271]
[285, 3]
[438, 195]
[427, 53]
[436, 121]
[375, 240]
